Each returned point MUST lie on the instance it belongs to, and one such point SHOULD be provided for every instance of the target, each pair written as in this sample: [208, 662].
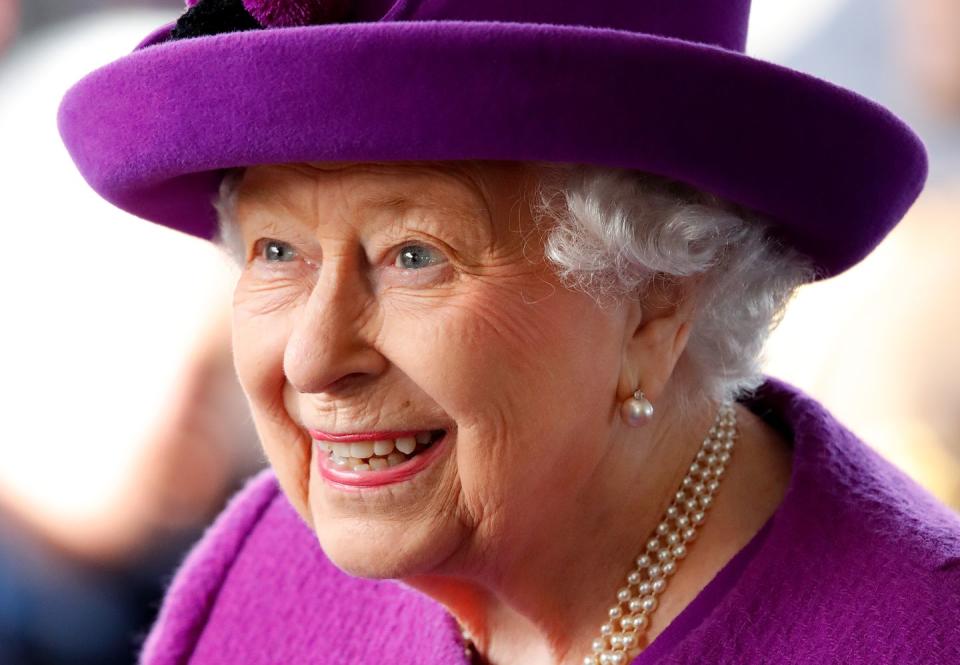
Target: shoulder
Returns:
[258, 589]
[839, 481]
[198, 579]
[863, 559]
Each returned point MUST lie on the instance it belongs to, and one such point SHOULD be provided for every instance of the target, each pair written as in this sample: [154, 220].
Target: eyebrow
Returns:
[392, 202]
[401, 203]
[474, 218]
[471, 214]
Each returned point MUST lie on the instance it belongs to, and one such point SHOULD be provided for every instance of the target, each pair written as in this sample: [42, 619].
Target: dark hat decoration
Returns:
[662, 86]
[213, 17]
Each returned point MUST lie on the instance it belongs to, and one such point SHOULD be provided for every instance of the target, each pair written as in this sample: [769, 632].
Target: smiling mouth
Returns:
[380, 454]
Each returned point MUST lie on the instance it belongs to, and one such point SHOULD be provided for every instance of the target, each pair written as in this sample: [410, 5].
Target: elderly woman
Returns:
[507, 270]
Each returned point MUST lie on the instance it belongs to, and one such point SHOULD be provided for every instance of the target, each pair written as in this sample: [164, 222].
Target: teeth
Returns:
[406, 444]
[361, 449]
[383, 448]
[341, 449]
[373, 455]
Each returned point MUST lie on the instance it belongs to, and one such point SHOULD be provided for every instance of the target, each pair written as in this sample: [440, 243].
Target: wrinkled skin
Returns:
[519, 527]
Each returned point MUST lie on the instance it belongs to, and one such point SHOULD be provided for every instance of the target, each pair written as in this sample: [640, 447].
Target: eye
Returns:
[417, 256]
[274, 251]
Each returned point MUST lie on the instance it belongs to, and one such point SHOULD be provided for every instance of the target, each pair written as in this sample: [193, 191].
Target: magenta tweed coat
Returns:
[857, 565]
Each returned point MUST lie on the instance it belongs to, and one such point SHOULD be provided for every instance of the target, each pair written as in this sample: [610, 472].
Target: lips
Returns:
[363, 436]
[358, 459]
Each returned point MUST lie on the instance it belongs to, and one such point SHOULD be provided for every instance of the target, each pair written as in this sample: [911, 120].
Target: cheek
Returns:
[259, 340]
[546, 353]
[258, 345]
[527, 379]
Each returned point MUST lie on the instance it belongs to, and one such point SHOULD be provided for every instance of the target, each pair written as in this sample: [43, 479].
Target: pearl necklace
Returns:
[629, 618]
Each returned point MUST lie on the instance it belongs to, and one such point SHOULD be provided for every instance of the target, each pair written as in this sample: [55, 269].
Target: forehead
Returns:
[470, 186]
[478, 199]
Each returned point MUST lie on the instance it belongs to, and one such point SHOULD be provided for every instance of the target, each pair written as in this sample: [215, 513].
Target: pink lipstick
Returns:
[340, 475]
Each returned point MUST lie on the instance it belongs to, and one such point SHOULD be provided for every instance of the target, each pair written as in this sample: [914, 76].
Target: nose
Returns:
[331, 342]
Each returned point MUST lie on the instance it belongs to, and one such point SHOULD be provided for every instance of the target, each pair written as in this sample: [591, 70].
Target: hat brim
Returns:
[152, 131]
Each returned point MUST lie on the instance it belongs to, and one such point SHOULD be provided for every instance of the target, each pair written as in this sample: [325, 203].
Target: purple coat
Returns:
[858, 564]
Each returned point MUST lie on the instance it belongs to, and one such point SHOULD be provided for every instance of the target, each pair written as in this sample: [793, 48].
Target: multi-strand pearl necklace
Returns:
[629, 618]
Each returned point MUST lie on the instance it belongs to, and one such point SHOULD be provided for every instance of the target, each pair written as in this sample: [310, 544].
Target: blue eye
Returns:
[416, 256]
[274, 251]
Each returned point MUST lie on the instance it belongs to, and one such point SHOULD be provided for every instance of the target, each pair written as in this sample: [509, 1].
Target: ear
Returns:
[658, 326]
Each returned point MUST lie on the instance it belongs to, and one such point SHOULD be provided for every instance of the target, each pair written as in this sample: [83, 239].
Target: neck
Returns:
[543, 596]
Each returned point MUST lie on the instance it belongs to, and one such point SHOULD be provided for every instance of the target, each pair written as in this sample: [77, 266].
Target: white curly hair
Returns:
[614, 233]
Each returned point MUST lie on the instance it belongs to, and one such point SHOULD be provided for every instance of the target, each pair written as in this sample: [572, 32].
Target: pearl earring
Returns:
[637, 410]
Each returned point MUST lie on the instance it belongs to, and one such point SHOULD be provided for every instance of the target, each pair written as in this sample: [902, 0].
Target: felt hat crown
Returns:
[661, 86]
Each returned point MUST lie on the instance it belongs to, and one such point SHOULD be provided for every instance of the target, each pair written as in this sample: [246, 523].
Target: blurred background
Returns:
[125, 431]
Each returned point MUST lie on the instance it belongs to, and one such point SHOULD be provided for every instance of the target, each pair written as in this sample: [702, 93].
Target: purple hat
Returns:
[657, 85]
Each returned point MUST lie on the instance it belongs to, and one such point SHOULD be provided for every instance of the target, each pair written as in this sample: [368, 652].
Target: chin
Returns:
[384, 549]
[390, 531]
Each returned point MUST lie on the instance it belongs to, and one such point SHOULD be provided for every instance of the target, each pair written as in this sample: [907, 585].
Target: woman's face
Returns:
[385, 298]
